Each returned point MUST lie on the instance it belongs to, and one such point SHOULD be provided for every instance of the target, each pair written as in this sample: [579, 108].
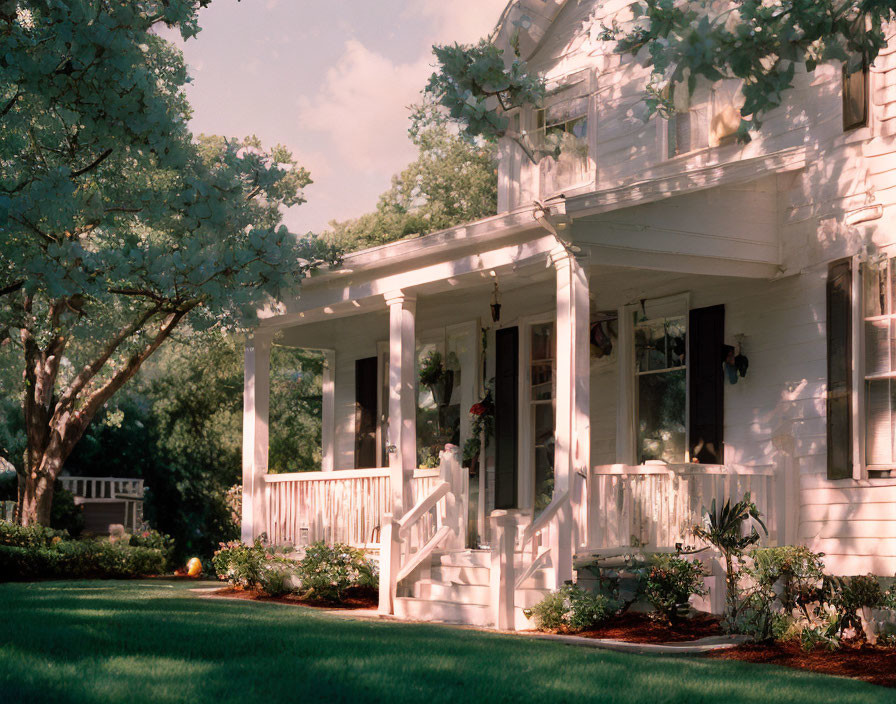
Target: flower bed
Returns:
[641, 628]
[858, 660]
[353, 598]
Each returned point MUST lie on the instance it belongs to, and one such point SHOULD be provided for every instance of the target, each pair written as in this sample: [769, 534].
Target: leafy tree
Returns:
[116, 226]
[453, 180]
[477, 87]
[757, 42]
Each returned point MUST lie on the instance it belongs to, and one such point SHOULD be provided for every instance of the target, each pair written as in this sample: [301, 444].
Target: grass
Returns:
[154, 641]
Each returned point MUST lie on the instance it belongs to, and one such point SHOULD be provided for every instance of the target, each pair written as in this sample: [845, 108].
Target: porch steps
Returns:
[454, 588]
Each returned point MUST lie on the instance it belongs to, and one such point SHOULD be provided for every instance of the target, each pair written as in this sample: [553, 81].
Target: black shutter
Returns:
[365, 412]
[839, 396]
[706, 342]
[506, 416]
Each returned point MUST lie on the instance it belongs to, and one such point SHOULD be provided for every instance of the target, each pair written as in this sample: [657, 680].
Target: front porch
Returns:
[603, 442]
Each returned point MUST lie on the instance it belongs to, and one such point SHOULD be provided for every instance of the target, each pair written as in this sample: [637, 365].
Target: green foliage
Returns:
[571, 609]
[76, 559]
[724, 529]
[761, 44]
[482, 424]
[14, 535]
[452, 181]
[851, 594]
[477, 85]
[328, 571]
[240, 564]
[671, 582]
[154, 540]
[118, 226]
[432, 370]
[65, 514]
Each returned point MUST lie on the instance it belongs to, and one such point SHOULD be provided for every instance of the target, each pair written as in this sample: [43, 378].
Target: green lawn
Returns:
[154, 641]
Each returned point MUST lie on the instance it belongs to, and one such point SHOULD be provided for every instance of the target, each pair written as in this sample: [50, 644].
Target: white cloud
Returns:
[461, 21]
[362, 108]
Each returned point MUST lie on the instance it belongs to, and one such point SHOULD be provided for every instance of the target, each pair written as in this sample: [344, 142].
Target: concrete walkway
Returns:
[694, 647]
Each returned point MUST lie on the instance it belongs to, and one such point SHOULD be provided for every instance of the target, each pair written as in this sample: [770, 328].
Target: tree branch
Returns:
[91, 370]
[11, 288]
[8, 106]
[93, 164]
[96, 399]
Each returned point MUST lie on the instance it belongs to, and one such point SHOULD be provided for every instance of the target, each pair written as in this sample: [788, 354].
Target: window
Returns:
[541, 410]
[855, 94]
[879, 330]
[688, 131]
[660, 394]
[561, 137]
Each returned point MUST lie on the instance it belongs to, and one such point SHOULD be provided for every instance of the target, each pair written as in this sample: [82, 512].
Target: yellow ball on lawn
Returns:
[194, 567]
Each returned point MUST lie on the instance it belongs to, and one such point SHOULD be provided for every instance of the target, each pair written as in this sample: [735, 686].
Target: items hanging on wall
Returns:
[603, 330]
[734, 361]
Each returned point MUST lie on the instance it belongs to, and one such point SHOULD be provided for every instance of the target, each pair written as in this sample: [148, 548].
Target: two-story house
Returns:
[657, 315]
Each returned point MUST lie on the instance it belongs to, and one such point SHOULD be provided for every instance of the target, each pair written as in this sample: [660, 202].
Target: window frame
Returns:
[627, 402]
[866, 97]
[580, 83]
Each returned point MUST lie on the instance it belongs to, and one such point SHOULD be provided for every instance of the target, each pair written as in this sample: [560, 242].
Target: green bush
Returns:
[571, 609]
[78, 559]
[155, 540]
[239, 564]
[328, 571]
[671, 582]
[64, 513]
[14, 535]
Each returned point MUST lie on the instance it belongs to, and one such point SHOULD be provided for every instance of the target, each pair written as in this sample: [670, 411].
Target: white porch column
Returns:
[572, 435]
[328, 413]
[402, 437]
[256, 403]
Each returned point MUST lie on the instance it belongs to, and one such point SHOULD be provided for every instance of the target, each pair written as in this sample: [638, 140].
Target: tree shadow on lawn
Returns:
[144, 642]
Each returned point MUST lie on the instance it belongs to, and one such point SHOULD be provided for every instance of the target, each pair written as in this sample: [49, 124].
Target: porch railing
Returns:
[342, 506]
[655, 506]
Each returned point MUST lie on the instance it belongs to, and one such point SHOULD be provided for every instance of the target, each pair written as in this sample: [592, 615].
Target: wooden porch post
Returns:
[572, 434]
[402, 445]
[256, 402]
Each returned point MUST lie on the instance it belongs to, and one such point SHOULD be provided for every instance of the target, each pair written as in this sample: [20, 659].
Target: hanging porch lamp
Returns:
[496, 304]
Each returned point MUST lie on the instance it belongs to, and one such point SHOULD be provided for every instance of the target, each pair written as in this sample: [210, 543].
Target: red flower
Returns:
[478, 409]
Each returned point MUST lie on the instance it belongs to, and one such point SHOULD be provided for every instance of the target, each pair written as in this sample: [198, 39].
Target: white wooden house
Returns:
[628, 271]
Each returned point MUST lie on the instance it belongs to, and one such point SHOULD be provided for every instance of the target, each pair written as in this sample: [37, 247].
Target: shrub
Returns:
[671, 582]
[328, 571]
[155, 540]
[14, 535]
[78, 559]
[571, 609]
[240, 564]
[64, 513]
[850, 594]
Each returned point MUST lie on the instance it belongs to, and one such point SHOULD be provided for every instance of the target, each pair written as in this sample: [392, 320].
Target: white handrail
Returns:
[424, 505]
[545, 517]
[424, 552]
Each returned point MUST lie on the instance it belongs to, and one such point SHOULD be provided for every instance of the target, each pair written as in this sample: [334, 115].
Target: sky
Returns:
[329, 80]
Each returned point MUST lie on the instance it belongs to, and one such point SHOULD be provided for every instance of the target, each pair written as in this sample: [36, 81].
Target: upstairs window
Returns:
[688, 131]
[561, 140]
[855, 94]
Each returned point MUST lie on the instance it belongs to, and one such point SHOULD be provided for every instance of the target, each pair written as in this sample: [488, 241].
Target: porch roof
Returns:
[722, 218]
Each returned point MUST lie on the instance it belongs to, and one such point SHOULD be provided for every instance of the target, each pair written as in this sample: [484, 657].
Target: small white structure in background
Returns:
[107, 501]
[641, 273]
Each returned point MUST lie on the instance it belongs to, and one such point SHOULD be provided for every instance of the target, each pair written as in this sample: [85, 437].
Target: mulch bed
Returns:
[640, 628]
[355, 598]
[857, 660]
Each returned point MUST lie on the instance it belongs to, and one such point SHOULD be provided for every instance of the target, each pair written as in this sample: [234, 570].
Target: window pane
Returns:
[874, 283]
[542, 342]
[675, 343]
[543, 434]
[650, 346]
[877, 346]
[661, 416]
[878, 422]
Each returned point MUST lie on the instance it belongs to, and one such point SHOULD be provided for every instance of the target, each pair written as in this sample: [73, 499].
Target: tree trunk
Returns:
[36, 498]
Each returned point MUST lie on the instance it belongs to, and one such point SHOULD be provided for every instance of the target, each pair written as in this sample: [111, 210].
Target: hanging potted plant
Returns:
[437, 378]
